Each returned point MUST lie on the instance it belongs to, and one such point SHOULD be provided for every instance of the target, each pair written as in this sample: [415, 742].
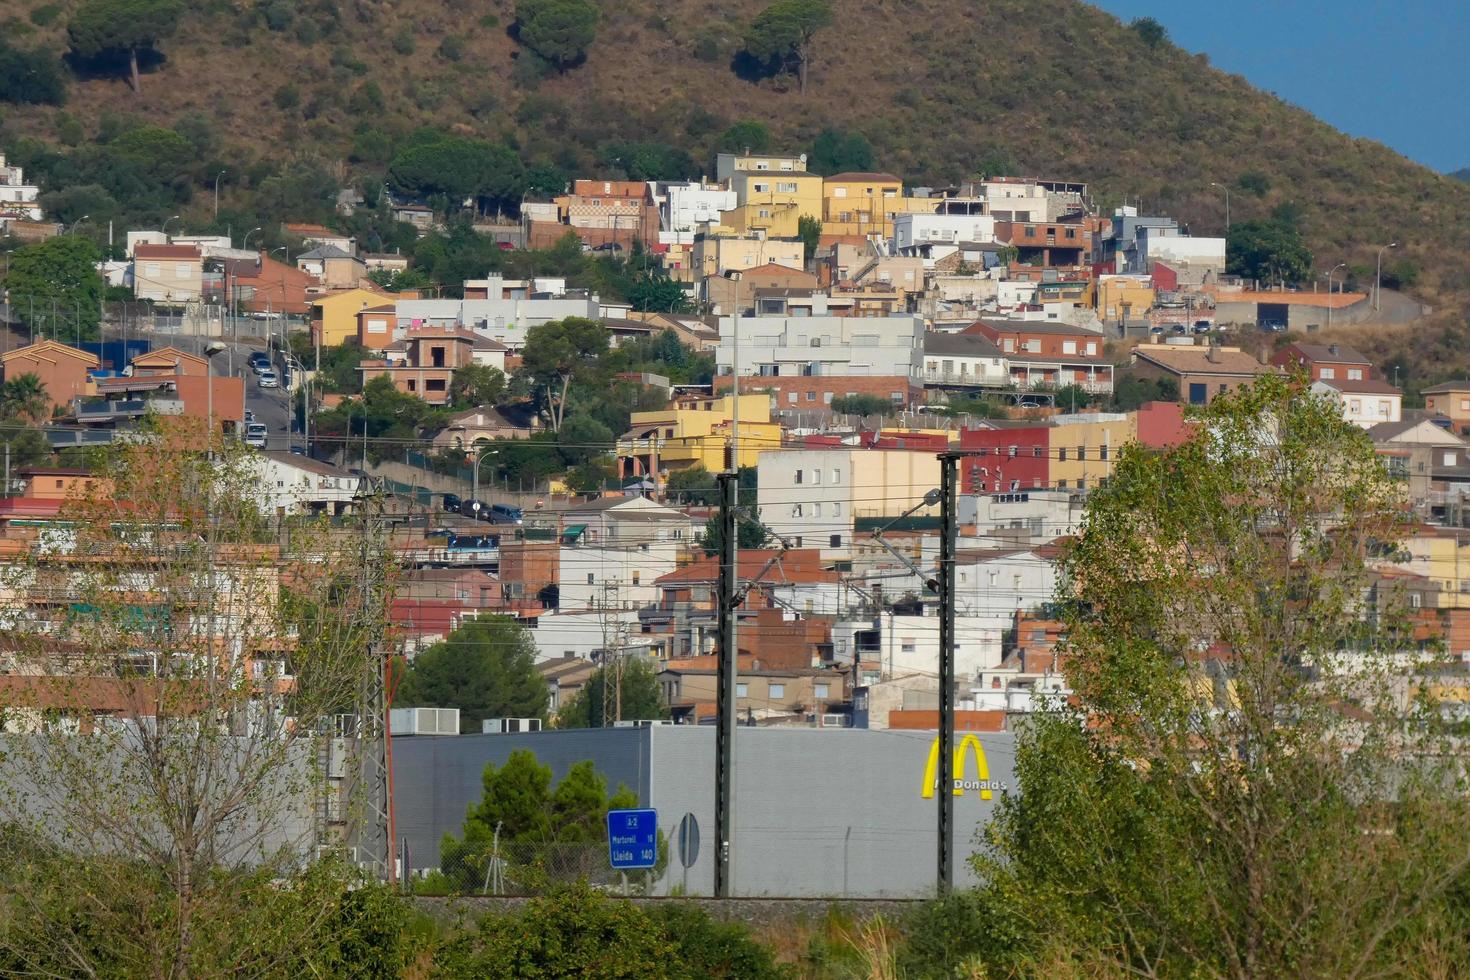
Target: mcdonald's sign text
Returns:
[968, 744]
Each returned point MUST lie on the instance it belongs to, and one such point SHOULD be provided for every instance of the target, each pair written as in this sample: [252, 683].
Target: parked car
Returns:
[268, 379]
[256, 435]
[1156, 331]
[451, 502]
[505, 514]
[473, 508]
[1273, 326]
[1203, 326]
[1180, 328]
[249, 416]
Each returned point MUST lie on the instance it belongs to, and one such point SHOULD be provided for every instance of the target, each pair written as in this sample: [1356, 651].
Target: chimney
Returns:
[1212, 354]
[1332, 349]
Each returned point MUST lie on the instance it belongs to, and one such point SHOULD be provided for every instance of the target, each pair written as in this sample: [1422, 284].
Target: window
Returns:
[1465, 404]
[791, 397]
[1449, 459]
[760, 188]
[413, 385]
[434, 384]
[1327, 374]
[835, 541]
[811, 396]
[763, 212]
[1036, 452]
[742, 691]
[1069, 347]
[1355, 374]
[798, 541]
[827, 398]
[153, 270]
[817, 508]
[1062, 455]
[817, 476]
[591, 578]
[1033, 347]
[181, 272]
[786, 187]
[778, 691]
[798, 476]
[1355, 406]
[1092, 348]
[839, 192]
[836, 511]
[836, 476]
[819, 691]
[636, 576]
[906, 645]
[796, 510]
[1102, 451]
[1082, 453]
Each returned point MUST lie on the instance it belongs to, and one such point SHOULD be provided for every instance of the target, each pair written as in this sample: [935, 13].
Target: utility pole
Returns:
[729, 483]
[944, 792]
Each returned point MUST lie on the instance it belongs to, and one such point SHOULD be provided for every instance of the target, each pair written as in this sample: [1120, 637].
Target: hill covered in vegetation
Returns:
[296, 100]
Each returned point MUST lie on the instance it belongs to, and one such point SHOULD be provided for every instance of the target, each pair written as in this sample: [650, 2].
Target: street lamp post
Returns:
[1330, 273]
[1378, 278]
[475, 475]
[245, 245]
[209, 354]
[1226, 189]
[165, 226]
[216, 192]
[77, 222]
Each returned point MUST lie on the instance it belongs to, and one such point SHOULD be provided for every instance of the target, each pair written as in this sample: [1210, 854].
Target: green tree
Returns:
[781, 35]
[582, 438]
[560, 31]
[23, 398]
[486, 668]
[476, 385]
[558, 351]
[1073, 397]
[55, 287]
[641, 697]
[1238, 785]
[1130, 392]
[122, 28]
[835, 152]
[1254, 182]
[749, 532]
[30, 77]
[747, 134]
[809, 230]
[1150, 31]
[459, 169]
[542, 831]
[160, 154]
[1267, 249]
[655, 292]
[692, 485]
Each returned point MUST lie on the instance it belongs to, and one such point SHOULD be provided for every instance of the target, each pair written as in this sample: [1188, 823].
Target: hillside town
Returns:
[542, 457]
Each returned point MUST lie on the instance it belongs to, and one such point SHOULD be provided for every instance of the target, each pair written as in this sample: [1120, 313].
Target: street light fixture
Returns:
[165, 225]
[1378, 279]
[245, 245]
[214, 348]
[1330, 273]
[1226, 189]
[216, 192]
[475, 475]
[74, 224]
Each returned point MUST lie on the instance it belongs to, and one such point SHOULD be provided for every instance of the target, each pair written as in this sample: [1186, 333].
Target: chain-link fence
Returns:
[497, 867]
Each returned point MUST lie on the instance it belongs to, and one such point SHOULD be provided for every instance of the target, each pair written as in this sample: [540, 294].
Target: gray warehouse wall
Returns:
[818, 812]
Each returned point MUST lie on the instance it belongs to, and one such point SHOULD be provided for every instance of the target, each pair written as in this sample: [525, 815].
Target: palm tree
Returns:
[24, 398]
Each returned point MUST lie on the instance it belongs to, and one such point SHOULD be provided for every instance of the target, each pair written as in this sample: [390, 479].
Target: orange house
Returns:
[62, 369]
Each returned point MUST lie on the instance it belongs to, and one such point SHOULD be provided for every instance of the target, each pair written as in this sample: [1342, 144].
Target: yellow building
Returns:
[772, 203]
[695, 432]
[1442, 555]
[866, 204]
[334, 316]
[1084, 447]
[717, 255]
[1116, 292]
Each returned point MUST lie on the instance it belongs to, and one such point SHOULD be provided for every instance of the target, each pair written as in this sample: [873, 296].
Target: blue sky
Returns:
[1392, 72]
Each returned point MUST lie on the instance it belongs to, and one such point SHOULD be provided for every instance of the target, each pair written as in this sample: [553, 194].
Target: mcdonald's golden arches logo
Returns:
[982, 780]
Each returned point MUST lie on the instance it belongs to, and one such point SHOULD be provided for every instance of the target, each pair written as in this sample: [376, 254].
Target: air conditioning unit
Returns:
[424, 721]
[509, 726]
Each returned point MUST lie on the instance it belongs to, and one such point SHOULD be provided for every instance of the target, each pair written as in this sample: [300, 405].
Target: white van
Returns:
[255, 435]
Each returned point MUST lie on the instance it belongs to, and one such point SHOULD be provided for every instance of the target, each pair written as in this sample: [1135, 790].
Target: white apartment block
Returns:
[16, 196]
[910, 230]
[812, 497]
[822, 346]
[613, 578]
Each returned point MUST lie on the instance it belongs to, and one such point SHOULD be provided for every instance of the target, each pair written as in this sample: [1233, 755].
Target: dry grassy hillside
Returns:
[940, 88]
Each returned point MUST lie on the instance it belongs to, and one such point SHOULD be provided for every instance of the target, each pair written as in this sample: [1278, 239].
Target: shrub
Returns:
[287, 97]
[45, 14]
[403, 42]
[717, 950]
[451, 48]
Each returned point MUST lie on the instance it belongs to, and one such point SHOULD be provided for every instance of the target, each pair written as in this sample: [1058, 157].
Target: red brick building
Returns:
[792, 393]
[1019, 452]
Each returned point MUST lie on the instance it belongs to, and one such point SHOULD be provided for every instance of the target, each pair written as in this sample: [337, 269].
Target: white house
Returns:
[964, 359]
[581, 633]
[619, 522]
[614, 578]
[905, 645]
[16, 196]
[822, 346]
[1024, 518]
[686, 208]
[910, 230]
[812, 497]
[1366, 402]
[291, 484]
[503, 320]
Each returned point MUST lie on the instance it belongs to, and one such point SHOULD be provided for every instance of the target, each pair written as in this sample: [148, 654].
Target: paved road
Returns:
[270, 405]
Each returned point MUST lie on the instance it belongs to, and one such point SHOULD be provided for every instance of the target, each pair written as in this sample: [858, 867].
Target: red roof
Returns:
[13, 507]
[166, 252]
[797, 566]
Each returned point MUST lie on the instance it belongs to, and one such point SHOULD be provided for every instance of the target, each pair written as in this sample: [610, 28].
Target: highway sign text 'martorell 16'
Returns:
[632, 838]
[982, 780]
